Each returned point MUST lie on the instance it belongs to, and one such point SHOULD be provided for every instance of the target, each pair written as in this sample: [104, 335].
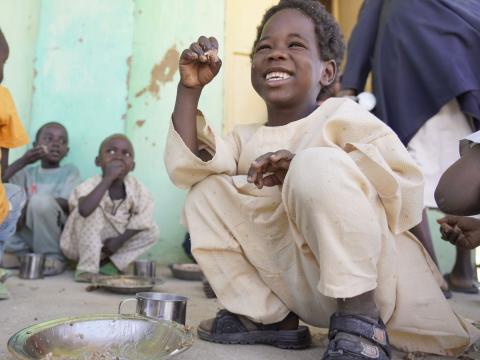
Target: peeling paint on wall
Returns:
[129, 75]
[162, 73]
[140, 123]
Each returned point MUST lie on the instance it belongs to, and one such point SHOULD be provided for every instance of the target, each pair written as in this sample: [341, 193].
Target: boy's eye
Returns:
[110, 151]
[296, 44]
[262, 47]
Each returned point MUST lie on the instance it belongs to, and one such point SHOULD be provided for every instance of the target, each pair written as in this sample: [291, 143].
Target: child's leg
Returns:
[82, 240]
[462, 276]
[330, 202]
[228, 246]
[20, 243]
[220, 226]
[16, 198]
[45, 219]
[334, 206]
[136, 246]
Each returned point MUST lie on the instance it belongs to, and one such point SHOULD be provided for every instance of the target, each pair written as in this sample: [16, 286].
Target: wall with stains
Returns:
[162, 30]
[111, 66]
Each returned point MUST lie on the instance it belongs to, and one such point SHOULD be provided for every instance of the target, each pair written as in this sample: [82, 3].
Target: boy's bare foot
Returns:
[229, 328]
[459, 284]
[461, 278]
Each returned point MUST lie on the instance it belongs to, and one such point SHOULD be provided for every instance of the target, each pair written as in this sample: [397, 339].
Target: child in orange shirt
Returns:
[12, 134]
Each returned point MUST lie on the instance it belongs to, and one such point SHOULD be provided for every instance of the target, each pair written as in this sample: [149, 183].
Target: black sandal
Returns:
[229, 328]
[354, 337]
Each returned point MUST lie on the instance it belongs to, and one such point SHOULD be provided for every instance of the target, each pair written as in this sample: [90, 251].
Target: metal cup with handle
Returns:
[160, 305]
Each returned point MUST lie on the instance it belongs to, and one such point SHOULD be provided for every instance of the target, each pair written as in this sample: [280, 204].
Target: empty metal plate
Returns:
[101, 337]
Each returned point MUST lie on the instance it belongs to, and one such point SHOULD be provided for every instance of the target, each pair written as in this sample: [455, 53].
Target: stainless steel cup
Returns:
[31, 266]
[160, 305]
[145, 268]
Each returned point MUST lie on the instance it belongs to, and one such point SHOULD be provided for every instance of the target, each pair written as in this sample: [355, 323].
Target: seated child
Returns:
[48, 186]
[307, 216]
[458, 194]
[12, 134]
[111, 214]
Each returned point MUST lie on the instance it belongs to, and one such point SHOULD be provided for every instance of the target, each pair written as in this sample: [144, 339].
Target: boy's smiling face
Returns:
[54, 139]
[287, 70]
[116, 148]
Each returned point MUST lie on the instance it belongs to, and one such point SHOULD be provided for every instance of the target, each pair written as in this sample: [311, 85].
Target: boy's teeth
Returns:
[277, 76]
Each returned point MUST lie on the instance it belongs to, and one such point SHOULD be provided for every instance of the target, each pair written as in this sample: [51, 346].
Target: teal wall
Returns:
[19, 22]
[109, 66]
[162, 30]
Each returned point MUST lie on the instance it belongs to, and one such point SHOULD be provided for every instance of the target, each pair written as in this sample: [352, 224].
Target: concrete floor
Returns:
[34, 301]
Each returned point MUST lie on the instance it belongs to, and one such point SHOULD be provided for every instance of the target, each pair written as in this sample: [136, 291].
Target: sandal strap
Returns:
[226, 322]
[360, 326]
[347, 349]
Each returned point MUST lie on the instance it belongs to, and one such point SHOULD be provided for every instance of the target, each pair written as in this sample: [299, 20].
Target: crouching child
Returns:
[111, 221]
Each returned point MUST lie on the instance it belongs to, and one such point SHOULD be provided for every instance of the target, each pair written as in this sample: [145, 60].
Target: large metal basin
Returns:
[115, 337]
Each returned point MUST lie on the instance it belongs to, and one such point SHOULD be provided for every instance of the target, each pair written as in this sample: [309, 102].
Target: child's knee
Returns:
[42, 204]
[16, 195]
[320, 171]
[200, 195]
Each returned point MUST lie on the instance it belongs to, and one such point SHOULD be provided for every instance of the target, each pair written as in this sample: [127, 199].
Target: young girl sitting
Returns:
[111, 214]
[306, 216]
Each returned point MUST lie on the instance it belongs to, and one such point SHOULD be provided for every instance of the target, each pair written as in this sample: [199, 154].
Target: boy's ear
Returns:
[328, 73]
[97, 161]
[133, 166]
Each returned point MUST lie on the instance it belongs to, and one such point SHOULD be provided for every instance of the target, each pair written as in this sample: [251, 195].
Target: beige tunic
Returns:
[338, 226]
[83, 237]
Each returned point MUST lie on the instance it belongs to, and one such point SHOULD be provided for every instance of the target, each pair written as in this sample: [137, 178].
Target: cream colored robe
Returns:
[336, 228]
[83, 237]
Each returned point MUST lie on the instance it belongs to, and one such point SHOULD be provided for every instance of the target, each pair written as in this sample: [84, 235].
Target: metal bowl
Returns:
[102, 337]
[191, 272]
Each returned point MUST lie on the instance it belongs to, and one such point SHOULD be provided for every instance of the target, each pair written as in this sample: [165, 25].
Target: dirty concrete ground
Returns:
[34, 301]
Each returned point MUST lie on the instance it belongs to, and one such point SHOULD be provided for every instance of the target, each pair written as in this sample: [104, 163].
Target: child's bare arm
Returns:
[4, 163]
[199, 64]
[63, 203]
[88, 203]
[28, 158]
[458, 191]
[111, 245]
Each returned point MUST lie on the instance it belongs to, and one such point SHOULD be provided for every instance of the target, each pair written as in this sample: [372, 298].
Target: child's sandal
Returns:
[354, 337]
[84, 276]
[229, 328]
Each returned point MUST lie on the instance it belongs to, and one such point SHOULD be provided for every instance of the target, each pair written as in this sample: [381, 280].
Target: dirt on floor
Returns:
[35, 301]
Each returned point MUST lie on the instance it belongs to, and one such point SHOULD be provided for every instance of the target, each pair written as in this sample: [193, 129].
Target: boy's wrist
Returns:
[189, 91]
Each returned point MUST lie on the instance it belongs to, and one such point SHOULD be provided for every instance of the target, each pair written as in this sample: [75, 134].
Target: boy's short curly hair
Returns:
[329, 37]
[51, 123]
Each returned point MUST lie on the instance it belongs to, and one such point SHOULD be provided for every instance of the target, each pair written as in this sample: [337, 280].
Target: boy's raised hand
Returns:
[462, 231]
[34, 154]
[274, 164]
[115, 170]
[200, 63]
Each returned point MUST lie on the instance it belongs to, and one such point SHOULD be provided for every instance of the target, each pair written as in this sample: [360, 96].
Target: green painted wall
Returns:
[19, 22]
[108, 66]
[162, 30]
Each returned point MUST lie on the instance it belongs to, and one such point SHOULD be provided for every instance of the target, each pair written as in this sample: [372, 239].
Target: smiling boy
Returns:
[111, 214]
[48, 186]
